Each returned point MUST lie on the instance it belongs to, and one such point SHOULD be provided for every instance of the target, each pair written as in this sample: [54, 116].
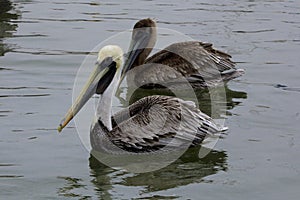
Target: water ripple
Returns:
[52, 52]
[66, 20]
[3, 68]
[214, 10]
[23, 95]
[29, 35]
[7, 165]
[287, 88]
[11, 176]
[255, 31]
[35, 88]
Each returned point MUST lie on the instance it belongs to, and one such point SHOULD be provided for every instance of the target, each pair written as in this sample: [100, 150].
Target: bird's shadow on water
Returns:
[185, 170]
[231, 99]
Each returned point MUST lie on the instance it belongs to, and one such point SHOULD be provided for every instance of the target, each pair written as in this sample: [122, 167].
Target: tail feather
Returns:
[229, 75]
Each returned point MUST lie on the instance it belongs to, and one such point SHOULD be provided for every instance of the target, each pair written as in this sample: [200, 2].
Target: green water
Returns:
[42, 45]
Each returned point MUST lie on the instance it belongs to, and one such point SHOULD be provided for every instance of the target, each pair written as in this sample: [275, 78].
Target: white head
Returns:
[113, 51]
[109, 62]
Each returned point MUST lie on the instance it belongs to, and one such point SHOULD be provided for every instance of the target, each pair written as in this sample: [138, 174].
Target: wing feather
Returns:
[186, 59]
[156, 121]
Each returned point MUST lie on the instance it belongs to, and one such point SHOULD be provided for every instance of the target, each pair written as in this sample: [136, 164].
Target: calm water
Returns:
[42, 44]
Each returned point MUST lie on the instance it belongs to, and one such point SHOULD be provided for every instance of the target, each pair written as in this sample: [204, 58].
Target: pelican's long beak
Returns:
[100, 78]
[139, 42]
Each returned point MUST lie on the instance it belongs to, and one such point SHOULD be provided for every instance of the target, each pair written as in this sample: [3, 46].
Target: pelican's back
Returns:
[198, 62]
[155, 122]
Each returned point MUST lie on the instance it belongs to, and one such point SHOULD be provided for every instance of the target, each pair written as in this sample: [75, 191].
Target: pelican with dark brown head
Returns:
[201, 64]
[142, 42]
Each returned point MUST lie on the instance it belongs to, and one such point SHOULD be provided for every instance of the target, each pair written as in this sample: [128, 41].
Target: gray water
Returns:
[43, 43]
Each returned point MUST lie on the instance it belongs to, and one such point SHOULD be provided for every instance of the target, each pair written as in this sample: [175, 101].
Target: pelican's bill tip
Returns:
[59, 128]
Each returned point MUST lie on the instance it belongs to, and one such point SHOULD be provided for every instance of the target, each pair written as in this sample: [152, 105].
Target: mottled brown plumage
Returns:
[198, 62]
[155, 122]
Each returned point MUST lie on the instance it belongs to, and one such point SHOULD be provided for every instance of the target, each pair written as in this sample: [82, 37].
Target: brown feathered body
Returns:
[154, 123]
[196, 62]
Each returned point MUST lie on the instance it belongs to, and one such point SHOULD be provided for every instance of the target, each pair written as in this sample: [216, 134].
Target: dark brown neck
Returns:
[147, 26]
[142, 57]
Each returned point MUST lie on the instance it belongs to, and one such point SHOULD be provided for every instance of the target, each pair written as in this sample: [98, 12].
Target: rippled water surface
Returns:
[42, 45]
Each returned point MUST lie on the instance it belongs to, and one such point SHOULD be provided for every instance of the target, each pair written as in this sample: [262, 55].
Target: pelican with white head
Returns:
[101, 81]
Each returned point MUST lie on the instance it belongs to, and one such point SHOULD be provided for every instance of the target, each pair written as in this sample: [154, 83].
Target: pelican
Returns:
[201, 64]
[147, 125]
